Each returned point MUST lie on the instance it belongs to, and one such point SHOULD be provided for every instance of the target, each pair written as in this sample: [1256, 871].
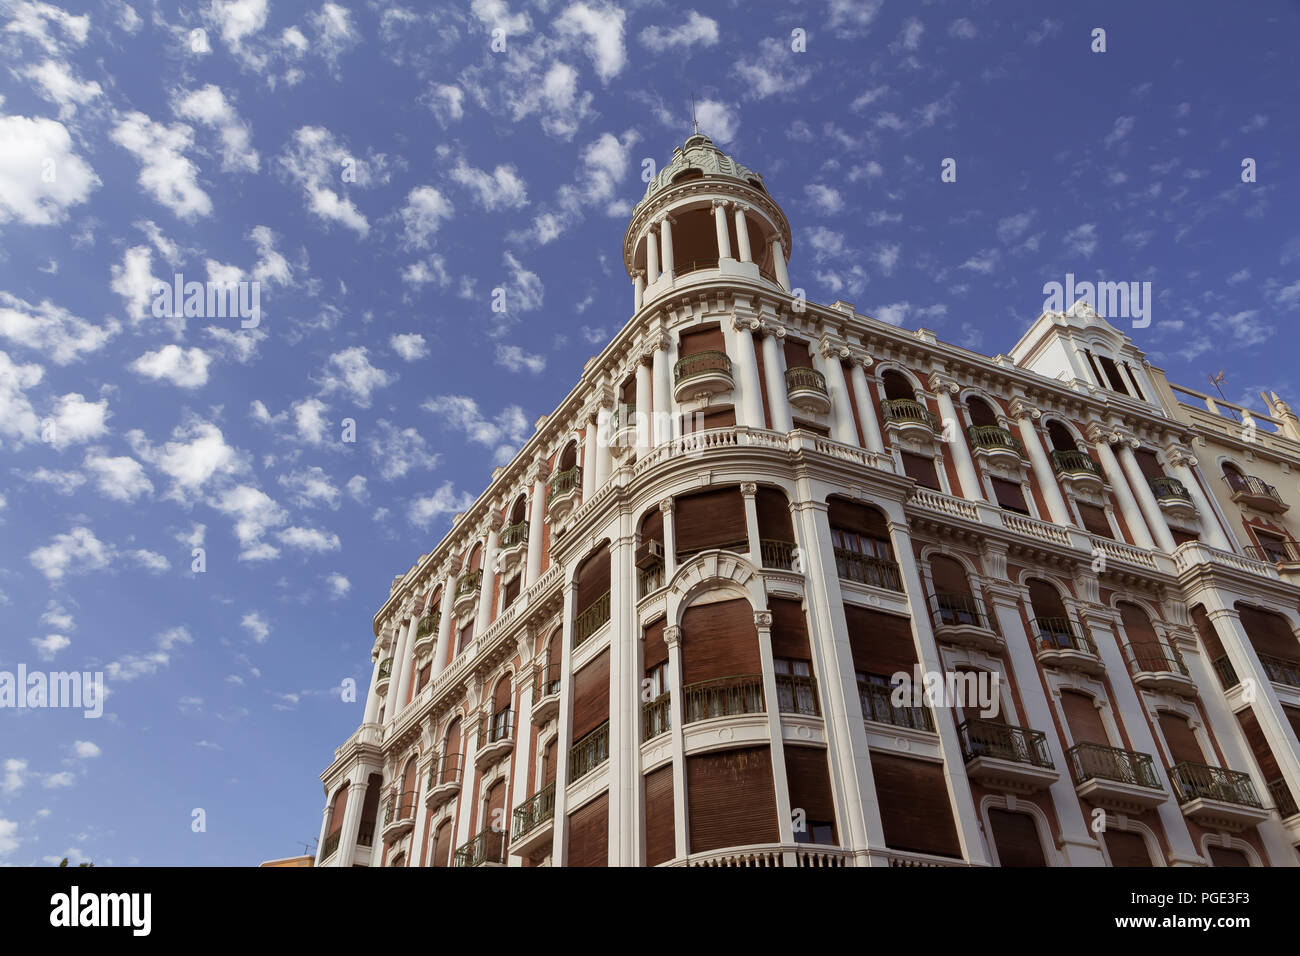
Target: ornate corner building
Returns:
[670, 632]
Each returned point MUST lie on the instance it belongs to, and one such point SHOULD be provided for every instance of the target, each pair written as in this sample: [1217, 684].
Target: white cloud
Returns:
[697, 29]
[515, 359]
[85, 750]
[61, 86]
[254, 512]
[8, 837]
[208, 105]
[500, 189]
[196, 454]
[600, 25]
[825, 199]
[447, 101]
[76, 552]
[339, 585]
[962, 29]
[184, 368]
[55, 332]
[133, 666]
[852, 18]
[910, 38]
[14, 770]
[524, 292]
[422, 272]
[1123, 126]
[310, 421]
[504, 434]
[317, 162]
[1082, 240]
[49, 645]
[60, 482]
[32, 18]
[271, 266]
[399, 451]
[335, 31]
[410, 346]
[256, 626]
[40, 175]
[135, 282]
[76, 420]
[119, 478]
[1011, 228]
[424, 511]
[165, 172]
[350, 371]
[984, 261]
[309, 539]
[886, 256]
[776, 69]
[425, 210]
[720, 120]
[310, 487]
[18, 419]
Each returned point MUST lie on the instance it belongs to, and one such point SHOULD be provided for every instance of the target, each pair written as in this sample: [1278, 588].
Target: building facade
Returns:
[779, 584]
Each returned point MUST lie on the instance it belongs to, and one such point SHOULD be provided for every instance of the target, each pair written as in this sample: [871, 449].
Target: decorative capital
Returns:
[1181, 456]
[861, 358]
[638, 274]
[831, 347]
[495, 522]
[666, 506]
[1022, 409]
[939, 382]
[744, 323]
[749, 489]
[667, 221]
[762, 618]
[538, 472]
[773, 328]
[672, 635]
[721, 203]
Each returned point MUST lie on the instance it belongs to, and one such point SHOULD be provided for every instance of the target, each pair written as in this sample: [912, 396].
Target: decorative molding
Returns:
[749, 489]
[1021, 409]
[672, 635]
[762, 618]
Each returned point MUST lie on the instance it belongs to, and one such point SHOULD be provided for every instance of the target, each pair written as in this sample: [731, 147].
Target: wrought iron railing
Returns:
[623, 416]
[649, 579]
[331, 844]
[537, 810]
[988, 738]
[469, 583]
[1061, 634]
[1066, 461]
[797, 694]
[1227, 673]
[1155, 658]
[400, 806]
[1280, 670]
[907, 410]
[694, 265]
[589, 752]
[446, 770]
[513, 535]
[994, 436]
[1282, 798]
[1096, 761]
[777, 554]
[701, 363]
[546, 682]
[488, 846]
[1283, 551]
[656, 716]
[799, 379]
[723, 697]
[428, 625]
[1167, 488]
[385, 668]
[497, 728]
[1198, 781]
[563, 482]
[1250, 485]
[868, 569]
[591, 619]
[952, 610]
[366, 833]
[878, 705]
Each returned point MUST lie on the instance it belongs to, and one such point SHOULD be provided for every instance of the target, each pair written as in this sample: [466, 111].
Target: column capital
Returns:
[763, 619]
[860, 358]
[831, 346]
[637, 274]
[1179, 455]
[742, 322]
[672, 635]
[740, 207]
[722, 203]
[1022, 409]
[538, 471]
[666, 506]
[666, 219]
[749, 489]
[773, 328]
[942, 382]
[1100, 434]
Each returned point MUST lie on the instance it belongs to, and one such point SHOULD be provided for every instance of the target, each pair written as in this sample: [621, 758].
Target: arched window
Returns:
[452, 761]
[591, 600]
[568, 457]
[502, 719]
[405, 805]
[954, 601]
[897, 387]
[722, 673]
[1052, 625]
[775, 528]
[519, 512]
[1144, 647]
[1060, 437]
[863, 553]
[981, 415]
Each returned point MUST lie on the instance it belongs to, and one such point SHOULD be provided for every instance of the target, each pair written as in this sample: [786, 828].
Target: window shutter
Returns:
[589, 834]
[593, 579]
[773, 515]
[881, 643]
[1016, 837]
[719, 640]
[660, 836]
[1083, 719]
[914, 807]
[1180, 738]
[731, 799]
[860, 519]
[591, 696]
[654, 650]
[694, 341]
[810, 785]
[921, 470]
[1269, 633]
[1010, 495]
[1094, 520]
[1224, 856]
[1126, 848]
[949, 576]
[711, 520]
[442, 845]
[789, 630]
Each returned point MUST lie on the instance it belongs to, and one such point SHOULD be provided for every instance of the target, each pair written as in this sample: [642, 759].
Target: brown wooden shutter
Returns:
[512, 591]
[660, 836]
[1016, 837]
[497, 822]
[693, 341]
[789, 630]
[1009, 495]
[1126, 848]
[797, 354]
[1148, 464]
[1206, 632]
[710, 520]
[717, 418]
[591, 696]
[1094, 520]
[1182, 536]
[1255, 739]
[949, 576]
[731, 799]
[914, 807]
[1293, 717]
[1269, 633]
[593, 579]
[881, 643]
[652, 526]
[921, 470]
[501, 696]
[654, 650]
[860, 519]
[589, 834]
[422, 678]
[1224, 856]
[1083, 719]
[809, 780]
[548, 765]
[1141, 635]
[340, 805]
[773, 515]
[1180, 738]
[442, 845]
[1045, 600]
[719, 640]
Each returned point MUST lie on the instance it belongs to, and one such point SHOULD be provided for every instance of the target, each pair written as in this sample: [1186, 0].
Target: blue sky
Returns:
[222, 155]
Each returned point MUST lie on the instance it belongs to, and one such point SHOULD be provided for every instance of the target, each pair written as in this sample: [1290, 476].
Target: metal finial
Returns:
[694, 122]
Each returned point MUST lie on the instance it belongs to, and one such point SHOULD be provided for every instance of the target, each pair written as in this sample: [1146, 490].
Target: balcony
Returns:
[1060, 644]
[590, 752]
[426, 632]
[1216, 798]
[1280, 670]
[693, 265]
[878, 706]
[546, 694]
[723, 697]
[1173, 497]
[806, 389]
[868, 569]
[1114, 779]
[444, 780]
[779, 555]
[399, 815]
[649, 580]
[496, 738]
[384, 676]
[702, 373]
[1280, 794]
[910, 419]
[656, 717]
[1006, 758]
[330, 845]
[591, 620]
[797, 694]
[1077, 469]
[1251, 492]
[622, 428]
[1275, 551]
[512, 547]
[563, 492]
[488, 848]
[532, 826]
[1160, 668]
[994, 444]
[467, 592]
[961, 619]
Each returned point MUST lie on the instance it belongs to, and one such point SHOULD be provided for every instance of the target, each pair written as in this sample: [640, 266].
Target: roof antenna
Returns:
[694, 122]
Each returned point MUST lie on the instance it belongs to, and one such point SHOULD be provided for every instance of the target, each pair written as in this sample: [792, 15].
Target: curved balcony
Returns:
[330, 845]
[426, 632]
[1216, 798]
[1159, 668]
[1060, 643]
[1077, 469]
[546, 693]
[1284, 551]
[1006, 758]
[776, 554]
[496, 738]
[995, 445]
[879, 706]
[656, 717]
[622, 428]
[532, 823]
[589, 753]
[384, 676]
[706, 372]
[399, 815]
[467, 592]
[563, 492]
[1115, 779]
[907, 418]
[797, 694]
[486, 848]
[961, 619]
[444, 780]
[512, 547]
[806, 389]
[1173, 497]
[723, 697]
[868, 569]
[1252, 492]
[591, 619]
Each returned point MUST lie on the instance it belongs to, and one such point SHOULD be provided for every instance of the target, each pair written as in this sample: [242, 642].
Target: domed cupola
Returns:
[704, 218]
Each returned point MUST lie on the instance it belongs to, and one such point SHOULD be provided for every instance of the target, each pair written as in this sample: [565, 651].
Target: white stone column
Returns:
[666, 231]
[444, 624]
[742, 234]
[858, 362]
[746, 363]
[828, 355]
[749, 490]
[604, 447]
[624, 702]
[1146, 498]
[324, 830]
[523, 691]
[772, 699]
[347, 851]
[484, 616]
[778, 398]
[371, 713]
[1183, 463]
[638, 289]
[1044, 474]
[651, 256]
[563, 741]
[677, 712]
[778, 262]
[945, 388]
[644, 407]
[1119, 484]
[536, 525]
[589, 453]
[670, 539]
[720, 225]
[403, 680]
[663, 390]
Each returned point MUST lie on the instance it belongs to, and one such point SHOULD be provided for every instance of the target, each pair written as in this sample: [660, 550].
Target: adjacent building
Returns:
[779, 584]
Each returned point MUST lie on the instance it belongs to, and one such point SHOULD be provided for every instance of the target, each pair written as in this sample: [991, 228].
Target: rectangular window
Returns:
[1112, 373]
[1094, 520]
[794, 696]
[1011, 497]
[921, 470]
[1273, 547]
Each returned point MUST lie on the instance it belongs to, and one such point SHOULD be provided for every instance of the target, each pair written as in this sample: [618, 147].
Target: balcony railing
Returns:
[693, 265]
[994, 436]
[1156, 658]
[1068, 461]
[538, 809]
[623, 416]
[952, 610]
[563, 482]
[805, 380]
[589, 752]
[701, 363]
[777, 554]
[1227, 673]
[513, 534]
[489, 846]
[1280, 670]
[546, 682]
[1169, 489]
[1281, 796]
[1252, 486]
[330, 845]
[878, 705]
[1060, 634]
[591, 619]
[385, 668]
[649, 579]
[447, 770]
[907, 410]
[723, 697]
[1197, 781]
[797, 694]
[366, 833]
[400, 807]
[988, 738]
[428, 626]
[656, 717]
[1095, 761]
[1281, 551]
[495, 729]
[470, 582]
[868, 569]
